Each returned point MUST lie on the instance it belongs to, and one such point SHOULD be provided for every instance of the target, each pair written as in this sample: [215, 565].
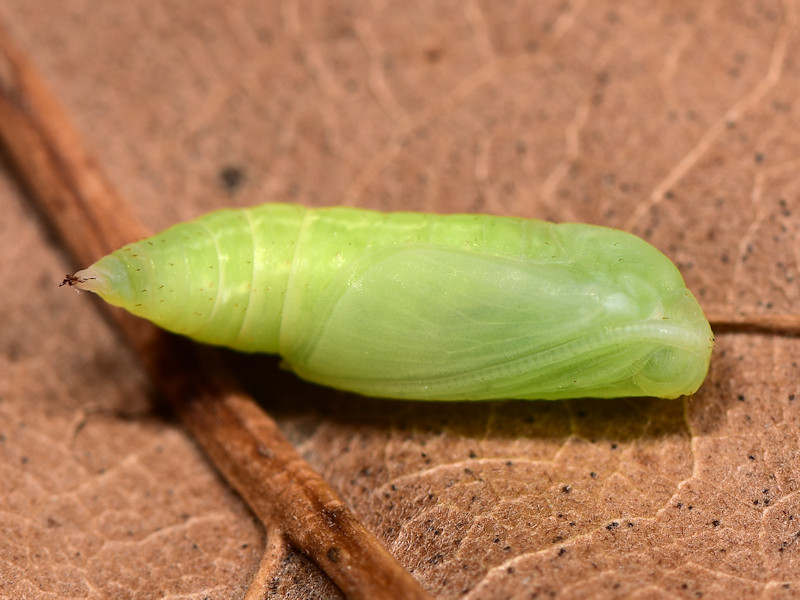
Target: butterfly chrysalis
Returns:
[422, 306]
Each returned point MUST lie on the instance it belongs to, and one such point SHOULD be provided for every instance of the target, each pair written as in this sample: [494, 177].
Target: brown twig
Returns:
[753, 323]
[244, 443]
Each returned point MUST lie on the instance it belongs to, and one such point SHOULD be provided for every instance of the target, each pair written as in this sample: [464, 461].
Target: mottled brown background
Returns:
[674, 119]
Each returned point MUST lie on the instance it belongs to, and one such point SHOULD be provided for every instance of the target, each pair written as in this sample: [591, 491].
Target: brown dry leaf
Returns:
[676, 120]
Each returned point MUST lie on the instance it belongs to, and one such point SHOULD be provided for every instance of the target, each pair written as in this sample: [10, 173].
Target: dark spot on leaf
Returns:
[436, 559]
[231, 178]
[434, 54]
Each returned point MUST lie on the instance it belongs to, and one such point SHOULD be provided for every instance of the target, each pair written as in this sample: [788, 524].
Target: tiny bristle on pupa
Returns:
[88, 280]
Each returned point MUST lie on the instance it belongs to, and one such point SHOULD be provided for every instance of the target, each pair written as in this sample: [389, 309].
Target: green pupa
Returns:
[422, 306]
